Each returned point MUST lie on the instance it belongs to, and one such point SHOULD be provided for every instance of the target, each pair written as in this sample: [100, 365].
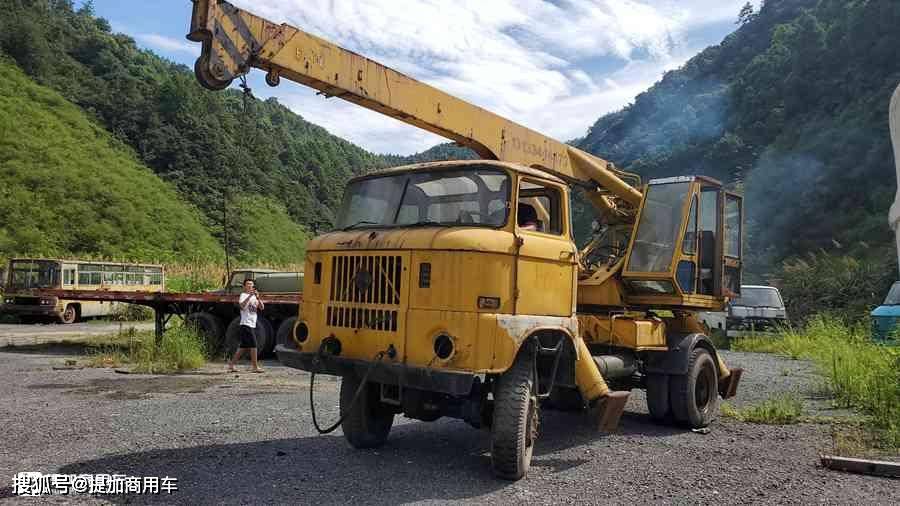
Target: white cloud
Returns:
[530, 60]
[164, 43]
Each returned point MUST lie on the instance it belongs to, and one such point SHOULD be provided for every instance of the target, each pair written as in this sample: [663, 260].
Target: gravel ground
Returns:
[245, 438]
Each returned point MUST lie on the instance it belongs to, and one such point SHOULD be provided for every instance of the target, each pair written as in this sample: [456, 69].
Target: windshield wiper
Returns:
[360, 222]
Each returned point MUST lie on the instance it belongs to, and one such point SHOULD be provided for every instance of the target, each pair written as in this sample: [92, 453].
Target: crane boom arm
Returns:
[235, 40]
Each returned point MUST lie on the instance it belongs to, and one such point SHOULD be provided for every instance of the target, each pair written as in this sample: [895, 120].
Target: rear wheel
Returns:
[658, 397]
[694, 397]
[514, 429]
[367, 422]
[69, 315]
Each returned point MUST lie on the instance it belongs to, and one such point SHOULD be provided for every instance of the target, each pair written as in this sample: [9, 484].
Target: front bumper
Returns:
[457, 384]
[28, 310]
[755, 322]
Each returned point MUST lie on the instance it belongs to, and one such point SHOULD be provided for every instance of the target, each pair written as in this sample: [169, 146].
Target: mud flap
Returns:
[608, 410]
[728, 386]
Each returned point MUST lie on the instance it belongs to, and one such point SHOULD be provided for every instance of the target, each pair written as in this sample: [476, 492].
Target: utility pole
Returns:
[894, 215]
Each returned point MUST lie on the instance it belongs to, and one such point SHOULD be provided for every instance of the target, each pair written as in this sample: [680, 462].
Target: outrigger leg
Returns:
[607, 406]
[728, 379]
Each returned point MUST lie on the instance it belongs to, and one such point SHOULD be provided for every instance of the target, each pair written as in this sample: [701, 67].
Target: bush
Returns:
[844, 286]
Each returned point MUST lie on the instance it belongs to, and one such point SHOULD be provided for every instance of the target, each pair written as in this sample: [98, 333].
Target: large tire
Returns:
[69, 315]
[265, 336]
[658, 397]
[694, 397]
[367, 422]
[285, 334]
[232, 337]
[515, 425]
[210, 328]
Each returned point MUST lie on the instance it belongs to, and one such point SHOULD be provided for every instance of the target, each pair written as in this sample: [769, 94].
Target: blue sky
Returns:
[553, 66]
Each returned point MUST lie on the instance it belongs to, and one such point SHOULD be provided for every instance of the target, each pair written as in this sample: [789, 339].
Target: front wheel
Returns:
[367, 422]
[694, 396]
[69, 315]
[514, 428]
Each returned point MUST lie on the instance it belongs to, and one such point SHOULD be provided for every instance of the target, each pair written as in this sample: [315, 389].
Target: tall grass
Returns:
[180, 349]
[861, 374]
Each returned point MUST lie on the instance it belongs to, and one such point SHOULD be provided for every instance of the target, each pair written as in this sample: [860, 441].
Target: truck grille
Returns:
[365, 291]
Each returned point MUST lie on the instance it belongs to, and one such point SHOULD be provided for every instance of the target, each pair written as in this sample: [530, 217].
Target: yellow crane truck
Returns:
[456, 288]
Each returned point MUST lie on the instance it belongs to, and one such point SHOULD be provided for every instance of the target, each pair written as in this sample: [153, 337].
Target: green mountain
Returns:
[792, 109]
[208, 145]
[69, 188]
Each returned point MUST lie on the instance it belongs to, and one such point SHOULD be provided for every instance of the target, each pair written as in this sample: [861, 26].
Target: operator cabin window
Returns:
[539, 208]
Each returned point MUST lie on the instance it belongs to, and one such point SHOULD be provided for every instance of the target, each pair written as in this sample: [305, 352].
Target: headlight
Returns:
[47, 302]
[7, 301]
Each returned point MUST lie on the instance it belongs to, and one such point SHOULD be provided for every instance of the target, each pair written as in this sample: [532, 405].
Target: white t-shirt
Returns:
[248, 314]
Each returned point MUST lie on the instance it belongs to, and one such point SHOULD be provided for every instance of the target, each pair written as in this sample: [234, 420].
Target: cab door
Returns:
[545, 264]
[732, 256]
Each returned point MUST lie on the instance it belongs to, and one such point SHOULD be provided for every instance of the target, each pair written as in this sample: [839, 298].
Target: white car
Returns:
[758, 307]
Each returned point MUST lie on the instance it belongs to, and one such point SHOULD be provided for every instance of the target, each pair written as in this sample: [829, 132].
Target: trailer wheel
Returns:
[367, 422]
[265, 336]
[232, 337]
[69, 315]
[694, 396]
[514, 428]
[210, 328]
[284, 337]
[658, 396]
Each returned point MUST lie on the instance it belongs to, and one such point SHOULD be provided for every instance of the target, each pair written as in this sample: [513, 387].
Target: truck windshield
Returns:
[657, 232]
[470, 197]
[758, 297]
[32, 274]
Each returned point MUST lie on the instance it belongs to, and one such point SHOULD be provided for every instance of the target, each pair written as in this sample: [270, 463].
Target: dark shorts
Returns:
[248, 337]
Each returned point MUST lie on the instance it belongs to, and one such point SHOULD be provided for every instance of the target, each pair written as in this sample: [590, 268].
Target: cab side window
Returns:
[539, 208]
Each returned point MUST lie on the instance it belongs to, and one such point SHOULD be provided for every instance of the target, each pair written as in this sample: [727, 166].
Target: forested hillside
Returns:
[204, 143]
[69, 188]
[792, 108]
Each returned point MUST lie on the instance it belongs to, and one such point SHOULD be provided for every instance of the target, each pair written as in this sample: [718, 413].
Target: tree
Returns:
[746, 15]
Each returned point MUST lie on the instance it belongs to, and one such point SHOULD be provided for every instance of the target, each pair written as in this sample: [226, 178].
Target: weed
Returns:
[782, 410]
[180, 349]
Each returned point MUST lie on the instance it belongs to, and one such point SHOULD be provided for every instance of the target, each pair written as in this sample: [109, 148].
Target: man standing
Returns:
[249, 303]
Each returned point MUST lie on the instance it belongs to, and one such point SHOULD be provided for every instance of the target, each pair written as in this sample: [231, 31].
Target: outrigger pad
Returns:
[728, 386]
[609, 409]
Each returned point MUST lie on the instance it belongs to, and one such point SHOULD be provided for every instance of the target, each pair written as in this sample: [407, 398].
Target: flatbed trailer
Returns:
[215, 314]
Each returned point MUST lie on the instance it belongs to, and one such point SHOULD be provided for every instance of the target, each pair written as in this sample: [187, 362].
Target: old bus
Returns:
[25, 277]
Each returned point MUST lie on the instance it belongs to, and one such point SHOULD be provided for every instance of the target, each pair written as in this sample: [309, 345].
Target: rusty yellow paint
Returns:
[636, 332]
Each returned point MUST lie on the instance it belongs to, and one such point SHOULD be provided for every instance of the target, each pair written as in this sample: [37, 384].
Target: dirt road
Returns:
[246, 438]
